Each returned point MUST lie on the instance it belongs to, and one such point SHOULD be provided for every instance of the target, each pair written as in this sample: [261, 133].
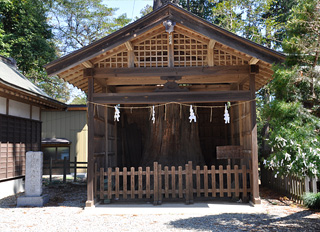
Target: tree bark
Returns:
[172, 140]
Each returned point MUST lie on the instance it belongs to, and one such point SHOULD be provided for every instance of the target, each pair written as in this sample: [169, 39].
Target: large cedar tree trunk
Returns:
[172, 139]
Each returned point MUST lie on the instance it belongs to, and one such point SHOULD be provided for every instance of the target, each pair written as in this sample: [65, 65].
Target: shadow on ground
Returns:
[249, 222]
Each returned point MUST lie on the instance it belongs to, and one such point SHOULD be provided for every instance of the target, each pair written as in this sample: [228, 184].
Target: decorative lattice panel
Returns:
[221, 57]
[189, 52]
[152, 52]
[119, 60]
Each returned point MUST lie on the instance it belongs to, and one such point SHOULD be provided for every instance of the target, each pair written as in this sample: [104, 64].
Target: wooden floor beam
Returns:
[164, 97]
[171, 71]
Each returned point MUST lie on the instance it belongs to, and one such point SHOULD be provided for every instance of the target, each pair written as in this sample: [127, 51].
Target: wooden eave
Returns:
[18, 94]
[71, 67]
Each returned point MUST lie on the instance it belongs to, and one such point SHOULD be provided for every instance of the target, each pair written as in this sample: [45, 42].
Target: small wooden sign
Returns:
[229, 152]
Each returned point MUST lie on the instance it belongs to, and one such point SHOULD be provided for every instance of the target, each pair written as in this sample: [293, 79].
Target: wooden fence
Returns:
[173, 183]
[63, 166]
[291, 186]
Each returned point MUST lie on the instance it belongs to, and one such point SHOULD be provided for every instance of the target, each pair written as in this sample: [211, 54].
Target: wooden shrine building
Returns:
[170, 55]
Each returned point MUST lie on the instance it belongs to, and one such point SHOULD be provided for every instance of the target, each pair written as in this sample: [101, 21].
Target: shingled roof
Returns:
[13, 83]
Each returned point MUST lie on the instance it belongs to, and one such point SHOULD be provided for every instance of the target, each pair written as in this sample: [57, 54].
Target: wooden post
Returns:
[106, 136]
[75, 169]
[50, 169]
[90, 170]
[101, 184]
[187, 184]
[191, 182]
[160, 184]
[64, 169]
[155, 183]
[314, 185]
[254, 144]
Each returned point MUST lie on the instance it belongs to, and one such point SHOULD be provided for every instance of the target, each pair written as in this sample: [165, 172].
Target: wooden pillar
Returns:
[90, 170]
[254, 144]
[106, 136]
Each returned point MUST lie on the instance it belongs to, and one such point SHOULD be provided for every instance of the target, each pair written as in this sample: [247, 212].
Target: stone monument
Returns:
[33, 182]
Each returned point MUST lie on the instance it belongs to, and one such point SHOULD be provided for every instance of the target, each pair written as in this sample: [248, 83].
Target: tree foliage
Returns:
[294, 112]
[26, 36]
[294, 136]
[201, 8]
[77, 23]
[257, 20]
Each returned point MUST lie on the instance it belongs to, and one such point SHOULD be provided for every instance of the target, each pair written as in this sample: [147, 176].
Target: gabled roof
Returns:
[11, 78]
[76, 61]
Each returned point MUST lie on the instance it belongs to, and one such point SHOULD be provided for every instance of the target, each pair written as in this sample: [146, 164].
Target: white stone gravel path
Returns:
[65, 213]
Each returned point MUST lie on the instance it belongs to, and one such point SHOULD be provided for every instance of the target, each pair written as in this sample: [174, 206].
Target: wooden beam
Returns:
[184, 80]
[158, 97]
[87, 64]
[170, 50]
[254, 60]
[129, 45]
[140, 89]
[211, 45]
[130, 54]
[173, 71]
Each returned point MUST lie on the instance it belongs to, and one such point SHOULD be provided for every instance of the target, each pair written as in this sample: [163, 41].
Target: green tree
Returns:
[77, 23]
[294, 112]
[79, 100]
[201, 8]
[26, 36]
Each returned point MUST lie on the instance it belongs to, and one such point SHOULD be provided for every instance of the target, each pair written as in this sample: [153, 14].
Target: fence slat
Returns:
[213, 180]
[244, 181]
[169, 183]
[140, 182]
[160, 184]
[180, 182]
[117, 183]
[125, 182]
[155, 184]
[166, 181]
[314, 185]
[236, 181]
[191, 182]
[205, 179]
[101, 183]
[187, 184]
[173, 182]
[198, 180]
[109, 183]
[221, 180]
[229, 180]
[132, 186]
[147, 182]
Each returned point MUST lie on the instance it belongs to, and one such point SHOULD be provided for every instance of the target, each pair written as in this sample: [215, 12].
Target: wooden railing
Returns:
[174, 183]
[292, 186]
[63, 167]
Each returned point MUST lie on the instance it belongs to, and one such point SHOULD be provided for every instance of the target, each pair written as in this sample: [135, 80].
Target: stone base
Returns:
[38, 201]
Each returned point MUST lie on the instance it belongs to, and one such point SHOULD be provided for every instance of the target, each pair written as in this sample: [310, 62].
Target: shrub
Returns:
[312, 200]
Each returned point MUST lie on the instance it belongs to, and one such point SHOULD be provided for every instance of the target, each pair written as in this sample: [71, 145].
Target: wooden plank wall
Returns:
[241, 127]
[103, 116]
[17, 136]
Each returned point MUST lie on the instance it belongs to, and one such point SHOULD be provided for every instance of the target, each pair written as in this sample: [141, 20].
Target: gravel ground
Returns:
[64, 212]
